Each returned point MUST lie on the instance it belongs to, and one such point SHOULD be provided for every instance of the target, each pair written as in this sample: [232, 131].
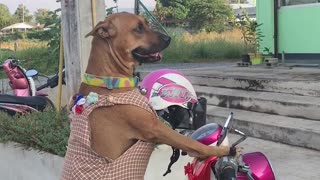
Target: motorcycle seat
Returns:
[36, 102]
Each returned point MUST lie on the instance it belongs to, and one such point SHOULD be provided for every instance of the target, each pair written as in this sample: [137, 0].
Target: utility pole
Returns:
[77, 20]
[136, 7]
[22, 12]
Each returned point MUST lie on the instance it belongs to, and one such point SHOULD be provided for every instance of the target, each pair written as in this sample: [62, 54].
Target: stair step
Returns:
[307, 88]
[266, 102]
[293, 131]
[297, 81]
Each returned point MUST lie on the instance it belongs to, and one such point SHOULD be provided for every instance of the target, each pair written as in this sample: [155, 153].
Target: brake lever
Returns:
[244, 137]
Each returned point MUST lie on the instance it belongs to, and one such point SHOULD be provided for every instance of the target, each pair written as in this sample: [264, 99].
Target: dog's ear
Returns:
[104, 29]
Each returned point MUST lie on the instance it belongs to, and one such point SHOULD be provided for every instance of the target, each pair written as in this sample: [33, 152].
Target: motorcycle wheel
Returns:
[49, 104]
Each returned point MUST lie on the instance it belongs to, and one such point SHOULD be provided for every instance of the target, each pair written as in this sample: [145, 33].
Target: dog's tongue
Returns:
[156, 56]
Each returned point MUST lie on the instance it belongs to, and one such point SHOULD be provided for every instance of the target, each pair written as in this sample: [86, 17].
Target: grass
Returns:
[204, 47]
[22, 44]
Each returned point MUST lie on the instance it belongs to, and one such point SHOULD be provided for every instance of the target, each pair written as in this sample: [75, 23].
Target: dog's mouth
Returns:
[143, 57]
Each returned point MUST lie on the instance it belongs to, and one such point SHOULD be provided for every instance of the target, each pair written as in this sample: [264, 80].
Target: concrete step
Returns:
[287, 130]
[266, 102]
[288, 86]
[298, 81]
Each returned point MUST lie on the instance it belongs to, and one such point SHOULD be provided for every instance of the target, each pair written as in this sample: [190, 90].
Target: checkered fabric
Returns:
[82, 163]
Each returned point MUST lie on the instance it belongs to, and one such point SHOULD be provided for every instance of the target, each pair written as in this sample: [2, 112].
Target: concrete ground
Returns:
[289, 162]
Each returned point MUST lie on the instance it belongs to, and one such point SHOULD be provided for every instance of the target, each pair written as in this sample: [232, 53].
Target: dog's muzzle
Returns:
[152, 54]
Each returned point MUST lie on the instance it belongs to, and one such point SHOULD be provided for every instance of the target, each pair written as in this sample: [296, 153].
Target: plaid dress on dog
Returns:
[82, 163]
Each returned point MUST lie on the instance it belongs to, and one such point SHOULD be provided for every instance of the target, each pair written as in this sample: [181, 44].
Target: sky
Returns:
[33, 5]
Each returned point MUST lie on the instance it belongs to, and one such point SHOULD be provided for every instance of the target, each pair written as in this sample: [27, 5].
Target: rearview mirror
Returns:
[229, 121]
[226, 128]
[31, 73]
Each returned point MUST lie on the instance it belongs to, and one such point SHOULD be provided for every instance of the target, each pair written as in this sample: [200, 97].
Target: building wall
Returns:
[265, 17]
[298, 27]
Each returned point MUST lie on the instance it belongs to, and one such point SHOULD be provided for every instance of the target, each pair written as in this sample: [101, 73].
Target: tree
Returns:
[42, 16]
[5, 16]
[210, 15]
[22, 14]
[237, 1]
[172, 10]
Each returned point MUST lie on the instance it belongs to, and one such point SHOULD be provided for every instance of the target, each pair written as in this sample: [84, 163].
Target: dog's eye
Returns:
[140, 28]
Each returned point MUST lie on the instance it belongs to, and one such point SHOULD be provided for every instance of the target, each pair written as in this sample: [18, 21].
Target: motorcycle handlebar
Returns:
[52, 82]
[42, 86]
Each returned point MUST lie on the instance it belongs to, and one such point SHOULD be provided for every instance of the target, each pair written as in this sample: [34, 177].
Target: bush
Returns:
[45, 131]
[41, 35]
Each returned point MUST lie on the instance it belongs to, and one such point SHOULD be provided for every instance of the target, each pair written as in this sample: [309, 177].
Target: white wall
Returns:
[17, 164]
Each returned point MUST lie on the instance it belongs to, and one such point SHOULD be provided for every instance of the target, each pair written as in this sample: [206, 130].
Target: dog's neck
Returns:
[105, 62]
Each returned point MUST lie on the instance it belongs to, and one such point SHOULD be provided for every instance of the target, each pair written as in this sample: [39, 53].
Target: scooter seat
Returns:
[36, 102]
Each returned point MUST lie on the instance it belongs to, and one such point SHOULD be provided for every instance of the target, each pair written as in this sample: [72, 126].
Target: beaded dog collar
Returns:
[110, 82]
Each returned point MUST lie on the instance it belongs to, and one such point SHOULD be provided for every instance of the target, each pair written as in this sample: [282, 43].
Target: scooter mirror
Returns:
[229, 121]
[227, 126]
[31, 73]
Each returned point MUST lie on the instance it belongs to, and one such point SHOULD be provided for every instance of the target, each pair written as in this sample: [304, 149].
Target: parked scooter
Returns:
[26, 98]
[173, 97]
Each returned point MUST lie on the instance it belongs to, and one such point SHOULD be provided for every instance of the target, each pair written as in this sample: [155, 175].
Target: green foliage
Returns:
[237, 1]
[54, 22]
[12, 37]
[172, 10]
[5, 16]
[42, 16]
[40, 35]
[210, 15]
[22, 14]
[109, 11]
[45, 131]
[251, 33]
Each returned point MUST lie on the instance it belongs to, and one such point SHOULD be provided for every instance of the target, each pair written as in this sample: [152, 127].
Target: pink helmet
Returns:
[166, 87]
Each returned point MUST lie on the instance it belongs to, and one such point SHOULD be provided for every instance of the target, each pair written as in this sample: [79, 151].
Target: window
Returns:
[297, 2]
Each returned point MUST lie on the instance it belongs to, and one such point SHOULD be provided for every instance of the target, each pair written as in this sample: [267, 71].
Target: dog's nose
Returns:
[165, 38]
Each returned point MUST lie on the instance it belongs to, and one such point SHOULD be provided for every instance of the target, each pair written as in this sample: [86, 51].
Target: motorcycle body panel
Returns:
[17, 79]
[260, 166]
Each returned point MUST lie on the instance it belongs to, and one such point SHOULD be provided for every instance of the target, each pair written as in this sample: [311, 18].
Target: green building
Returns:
[291, 28]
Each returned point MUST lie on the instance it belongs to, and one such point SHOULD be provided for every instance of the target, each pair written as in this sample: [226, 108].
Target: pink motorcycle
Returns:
[26, 98]
[250, 166]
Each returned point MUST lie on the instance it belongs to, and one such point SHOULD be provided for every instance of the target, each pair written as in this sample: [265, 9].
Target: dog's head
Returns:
[131, 37]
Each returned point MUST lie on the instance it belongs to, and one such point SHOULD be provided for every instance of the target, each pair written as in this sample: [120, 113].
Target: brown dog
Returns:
[120, 43]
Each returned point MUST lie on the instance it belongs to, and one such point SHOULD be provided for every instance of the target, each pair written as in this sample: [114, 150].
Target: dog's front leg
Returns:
[148, 128]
